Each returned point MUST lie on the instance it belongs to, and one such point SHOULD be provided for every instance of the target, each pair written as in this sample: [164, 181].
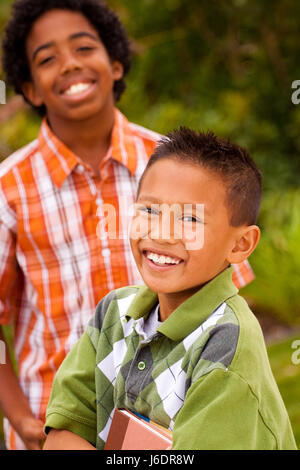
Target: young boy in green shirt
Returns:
[184, 350]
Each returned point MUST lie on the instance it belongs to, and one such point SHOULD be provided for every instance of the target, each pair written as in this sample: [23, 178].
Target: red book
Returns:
[129, 432]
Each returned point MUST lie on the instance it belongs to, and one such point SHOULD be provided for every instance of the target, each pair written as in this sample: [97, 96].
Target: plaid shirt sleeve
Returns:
[10, 275]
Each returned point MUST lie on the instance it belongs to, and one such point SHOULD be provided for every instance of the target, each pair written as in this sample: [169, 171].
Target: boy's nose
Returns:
[70, 63]
[164, 230]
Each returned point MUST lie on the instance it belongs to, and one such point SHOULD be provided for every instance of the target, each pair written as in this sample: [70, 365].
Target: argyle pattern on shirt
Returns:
[149, 375]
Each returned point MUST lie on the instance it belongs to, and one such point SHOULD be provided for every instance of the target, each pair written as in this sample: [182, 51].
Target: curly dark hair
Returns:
[235, 166]
[25, 12]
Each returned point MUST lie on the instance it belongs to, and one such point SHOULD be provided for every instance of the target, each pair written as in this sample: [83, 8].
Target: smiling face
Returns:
[170, 264]
[72, 74]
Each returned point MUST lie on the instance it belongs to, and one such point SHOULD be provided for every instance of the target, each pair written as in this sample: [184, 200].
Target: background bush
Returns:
[276, 260]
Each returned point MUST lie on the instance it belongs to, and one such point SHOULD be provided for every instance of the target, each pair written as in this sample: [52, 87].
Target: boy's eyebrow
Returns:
[72, 37]
[40, 48]
[150, 199]
[82, 34]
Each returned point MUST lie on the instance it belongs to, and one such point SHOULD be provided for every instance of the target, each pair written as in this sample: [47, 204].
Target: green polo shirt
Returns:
[203, 373]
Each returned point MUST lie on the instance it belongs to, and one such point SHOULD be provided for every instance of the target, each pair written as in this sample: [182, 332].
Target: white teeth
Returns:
[78, 88]
[161, 259]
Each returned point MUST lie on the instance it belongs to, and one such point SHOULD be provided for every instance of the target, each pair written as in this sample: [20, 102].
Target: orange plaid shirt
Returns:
[56, 258]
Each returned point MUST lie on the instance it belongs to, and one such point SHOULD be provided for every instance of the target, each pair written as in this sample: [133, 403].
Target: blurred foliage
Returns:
[225, 66]
[288, 380]
[276, 260]
[19, 130]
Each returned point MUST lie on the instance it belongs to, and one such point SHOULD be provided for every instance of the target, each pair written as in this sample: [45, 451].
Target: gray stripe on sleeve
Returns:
[221, 344]
[97, 319]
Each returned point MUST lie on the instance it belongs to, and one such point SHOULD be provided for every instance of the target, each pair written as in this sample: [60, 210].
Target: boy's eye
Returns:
[191, 218]
[46, 60]
[148, 210]
[85, 48]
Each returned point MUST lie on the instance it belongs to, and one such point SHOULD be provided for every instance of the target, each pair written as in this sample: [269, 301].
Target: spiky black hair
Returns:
[235, 166]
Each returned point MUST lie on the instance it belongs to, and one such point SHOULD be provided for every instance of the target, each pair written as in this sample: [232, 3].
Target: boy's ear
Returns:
[118, 70]
[31, 94]
[245, 244]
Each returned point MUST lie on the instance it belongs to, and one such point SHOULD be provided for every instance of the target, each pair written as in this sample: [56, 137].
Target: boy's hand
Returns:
[31, 432]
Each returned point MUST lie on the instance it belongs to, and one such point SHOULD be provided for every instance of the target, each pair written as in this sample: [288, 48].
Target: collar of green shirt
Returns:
[191, 313]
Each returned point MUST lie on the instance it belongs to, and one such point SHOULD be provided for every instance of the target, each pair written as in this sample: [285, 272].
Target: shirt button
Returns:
[141, 365]
[80, 169]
